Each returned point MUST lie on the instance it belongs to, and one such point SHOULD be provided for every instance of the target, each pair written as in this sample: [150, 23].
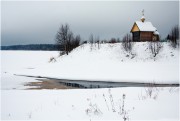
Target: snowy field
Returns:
[108, 63]
[91, 104]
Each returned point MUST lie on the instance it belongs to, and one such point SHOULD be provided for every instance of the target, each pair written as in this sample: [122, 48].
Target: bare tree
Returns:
[73, 42]
[173, 36]
[118, 40]
[61, 36]
[65, 38]
[77, 41]
[91, 40]
[70, 41]
[127, 43]
[98, 42]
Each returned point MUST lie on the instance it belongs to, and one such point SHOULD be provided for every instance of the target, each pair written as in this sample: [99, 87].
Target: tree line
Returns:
[45, 47]
[66, 38]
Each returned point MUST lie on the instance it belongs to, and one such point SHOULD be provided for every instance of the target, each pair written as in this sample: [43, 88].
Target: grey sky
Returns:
[37, 22]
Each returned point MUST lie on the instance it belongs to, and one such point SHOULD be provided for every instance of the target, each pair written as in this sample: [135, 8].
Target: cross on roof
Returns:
[143, 12]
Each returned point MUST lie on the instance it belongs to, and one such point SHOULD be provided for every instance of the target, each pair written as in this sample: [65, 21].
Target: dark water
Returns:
[86, 84]
[107, 84]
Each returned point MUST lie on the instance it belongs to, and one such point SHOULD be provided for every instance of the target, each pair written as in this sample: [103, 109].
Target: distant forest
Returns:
[47, 47]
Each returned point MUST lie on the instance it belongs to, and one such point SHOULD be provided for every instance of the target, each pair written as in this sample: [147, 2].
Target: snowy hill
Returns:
[110, 63]
[115, 52]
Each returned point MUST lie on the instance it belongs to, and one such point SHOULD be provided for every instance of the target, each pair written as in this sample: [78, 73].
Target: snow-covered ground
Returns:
[91, 104]
[13, 61]
[109, 63]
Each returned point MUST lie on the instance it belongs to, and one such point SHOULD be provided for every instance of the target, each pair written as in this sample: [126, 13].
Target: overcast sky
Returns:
[37, 22]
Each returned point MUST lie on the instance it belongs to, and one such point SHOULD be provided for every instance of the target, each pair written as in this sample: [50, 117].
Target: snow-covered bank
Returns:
[10, 81]
[99, 104]
[109, 63]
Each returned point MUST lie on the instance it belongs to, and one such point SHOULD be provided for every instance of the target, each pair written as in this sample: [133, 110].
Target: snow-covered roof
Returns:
[145, 26]
[156, 32]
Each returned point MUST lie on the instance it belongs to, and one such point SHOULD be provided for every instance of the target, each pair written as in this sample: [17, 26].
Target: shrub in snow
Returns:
[62, 53]
[155, 47]
[123, 103]
[30, 115]
[93, 109]
[151, 91]
[123, 112]
[174, 89]
[112, 101]
[52, 59]
[106, 102]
